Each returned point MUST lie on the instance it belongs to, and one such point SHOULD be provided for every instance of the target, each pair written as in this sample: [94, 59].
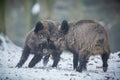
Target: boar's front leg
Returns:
[104, 60]
[75, 58]
[46, 59]
[56, 57]
[25, 54]
[35, 60]
[83, 59]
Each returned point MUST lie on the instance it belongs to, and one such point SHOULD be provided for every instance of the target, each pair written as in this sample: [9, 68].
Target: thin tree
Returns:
[2, 17]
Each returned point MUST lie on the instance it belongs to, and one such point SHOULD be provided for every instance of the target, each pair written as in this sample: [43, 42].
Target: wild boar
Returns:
[38, 43]
[83, 38]
[33, 44]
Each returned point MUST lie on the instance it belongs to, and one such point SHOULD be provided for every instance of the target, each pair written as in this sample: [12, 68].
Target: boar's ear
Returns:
[64, 27]
[39, 26]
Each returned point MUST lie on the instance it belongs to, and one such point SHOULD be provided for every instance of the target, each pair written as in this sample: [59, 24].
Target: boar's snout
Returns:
[99, 42]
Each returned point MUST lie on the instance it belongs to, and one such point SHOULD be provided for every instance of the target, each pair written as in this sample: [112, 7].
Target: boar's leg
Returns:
[56, 57]
[104, 60]
[24, 56]
[83, 59]
[35, 60]
[75, 58]
[84, 63]
[46, 59]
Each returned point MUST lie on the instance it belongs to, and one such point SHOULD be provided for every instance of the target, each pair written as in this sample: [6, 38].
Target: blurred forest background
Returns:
[17, 17]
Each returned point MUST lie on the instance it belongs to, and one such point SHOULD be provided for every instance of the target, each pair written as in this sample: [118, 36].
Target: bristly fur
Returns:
[34, 44]
[85, 38]
[37, 42]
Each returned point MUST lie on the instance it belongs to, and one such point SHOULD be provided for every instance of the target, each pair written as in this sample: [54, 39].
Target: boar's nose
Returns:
[100, 42]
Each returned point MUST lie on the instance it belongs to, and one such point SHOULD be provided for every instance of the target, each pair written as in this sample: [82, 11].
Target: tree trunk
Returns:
[2, 16]
[28, 7]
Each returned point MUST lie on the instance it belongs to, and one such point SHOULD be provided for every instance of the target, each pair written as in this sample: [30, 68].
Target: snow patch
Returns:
[10, 55]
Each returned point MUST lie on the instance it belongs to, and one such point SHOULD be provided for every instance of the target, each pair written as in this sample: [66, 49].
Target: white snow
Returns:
[36, 9]
[10, 55]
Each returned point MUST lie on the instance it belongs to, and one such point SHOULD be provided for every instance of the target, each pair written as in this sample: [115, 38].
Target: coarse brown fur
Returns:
[85, 38]
[84, 35]
[38, 43]
[52, 26]
[34, 44]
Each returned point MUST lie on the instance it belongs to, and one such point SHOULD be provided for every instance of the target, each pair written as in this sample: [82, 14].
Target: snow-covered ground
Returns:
[10, 55]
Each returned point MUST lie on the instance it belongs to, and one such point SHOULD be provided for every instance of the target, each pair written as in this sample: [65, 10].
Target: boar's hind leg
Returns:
[46, 59]
[24, 56]
[83, 59]
[35, 60]
[56, 58]
[104, 60]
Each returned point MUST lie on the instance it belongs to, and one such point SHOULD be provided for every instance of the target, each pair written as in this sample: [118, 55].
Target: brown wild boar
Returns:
[84, 39]
[37, 42]
[52, 49]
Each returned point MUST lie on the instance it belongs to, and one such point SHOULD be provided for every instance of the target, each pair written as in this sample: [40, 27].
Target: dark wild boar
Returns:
[33, 44]
[39, 44]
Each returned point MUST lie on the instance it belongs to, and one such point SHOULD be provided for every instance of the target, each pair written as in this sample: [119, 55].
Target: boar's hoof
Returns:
[18, 66]
[31, 65]
[105, 69]
[79, 69]
[54, 66]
